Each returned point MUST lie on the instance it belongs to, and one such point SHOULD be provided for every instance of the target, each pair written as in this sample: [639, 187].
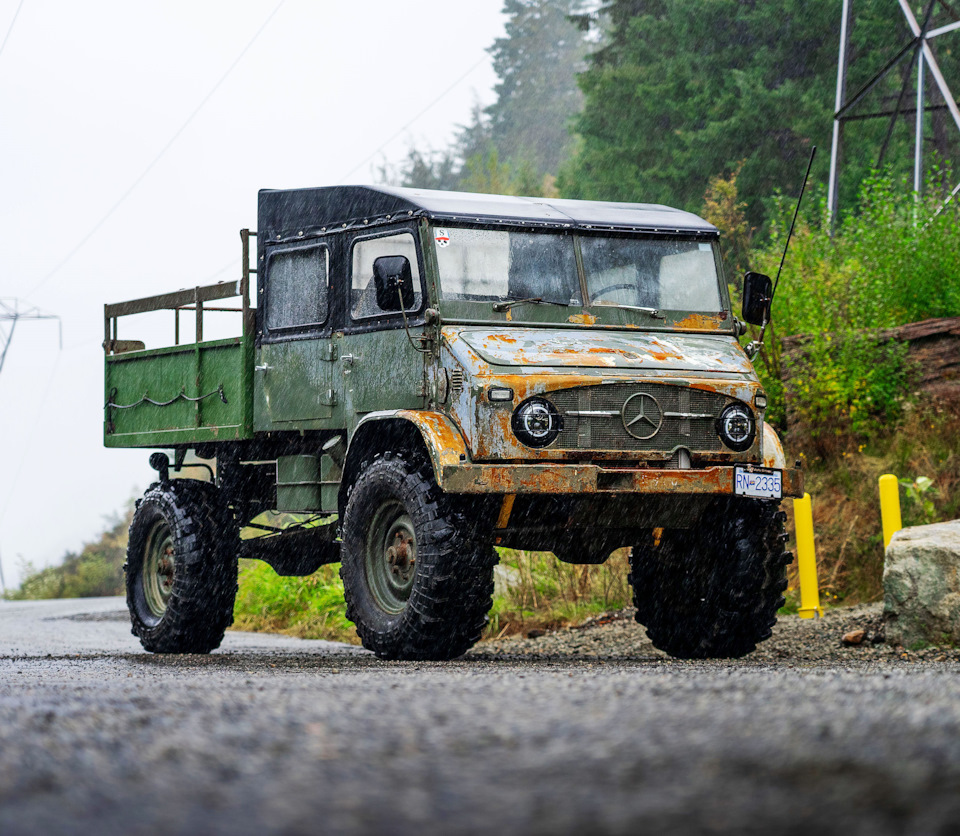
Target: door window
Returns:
[363, 291]
[296, 288]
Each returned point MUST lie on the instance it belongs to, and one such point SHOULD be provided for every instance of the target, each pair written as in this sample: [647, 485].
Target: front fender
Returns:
[773, 455]
[441, 437]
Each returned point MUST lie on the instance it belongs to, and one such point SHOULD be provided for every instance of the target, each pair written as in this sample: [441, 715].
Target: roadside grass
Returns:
[308, 608]
[534, 591]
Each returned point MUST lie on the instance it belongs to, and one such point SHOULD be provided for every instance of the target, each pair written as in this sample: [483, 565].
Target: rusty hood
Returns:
[552, 347]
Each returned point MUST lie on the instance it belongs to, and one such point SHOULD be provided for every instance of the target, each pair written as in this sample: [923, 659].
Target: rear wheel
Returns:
[417, 567]
[181, 577]
[713, 591]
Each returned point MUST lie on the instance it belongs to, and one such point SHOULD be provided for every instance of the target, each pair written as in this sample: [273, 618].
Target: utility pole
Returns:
[11, 311]
[917, 51]
[833, 190]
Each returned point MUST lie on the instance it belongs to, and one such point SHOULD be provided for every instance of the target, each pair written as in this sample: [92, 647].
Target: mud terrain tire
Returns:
[417, 568]
[181, 575]
[713, 591]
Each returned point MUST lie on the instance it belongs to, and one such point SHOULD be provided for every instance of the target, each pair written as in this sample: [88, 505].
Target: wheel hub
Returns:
[159, 569]
[391, 557]
[401, 556]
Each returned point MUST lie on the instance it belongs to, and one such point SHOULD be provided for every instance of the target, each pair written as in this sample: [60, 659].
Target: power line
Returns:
[156, 159]
[10, 28]
[415, 118]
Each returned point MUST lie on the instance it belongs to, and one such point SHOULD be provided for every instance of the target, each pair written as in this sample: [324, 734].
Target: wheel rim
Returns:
[159, 568]
[390, 557]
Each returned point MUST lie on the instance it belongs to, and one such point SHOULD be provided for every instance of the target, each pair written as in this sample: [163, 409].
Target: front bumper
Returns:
[593, 479]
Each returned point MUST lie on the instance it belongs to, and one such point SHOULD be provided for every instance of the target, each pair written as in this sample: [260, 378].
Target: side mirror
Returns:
[391, 273]
[757, 296]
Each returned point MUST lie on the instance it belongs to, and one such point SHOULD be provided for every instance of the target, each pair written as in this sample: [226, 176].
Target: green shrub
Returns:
[894, 259]
[848, 389]
[95, 571]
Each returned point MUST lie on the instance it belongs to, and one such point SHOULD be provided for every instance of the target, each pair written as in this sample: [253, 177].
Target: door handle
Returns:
[349, 358]
[263, 368]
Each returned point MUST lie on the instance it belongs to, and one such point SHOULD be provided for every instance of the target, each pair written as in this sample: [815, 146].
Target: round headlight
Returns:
[536, 422]
[736, 427]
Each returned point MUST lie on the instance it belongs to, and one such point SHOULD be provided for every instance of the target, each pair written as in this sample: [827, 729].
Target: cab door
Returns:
[379, 367]
[294, 369]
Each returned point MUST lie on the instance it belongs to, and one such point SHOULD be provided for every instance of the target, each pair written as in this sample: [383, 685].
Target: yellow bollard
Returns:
[806, 558]
[890, 507]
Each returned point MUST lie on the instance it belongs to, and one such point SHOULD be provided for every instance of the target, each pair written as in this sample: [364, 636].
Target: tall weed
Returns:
[537, 591]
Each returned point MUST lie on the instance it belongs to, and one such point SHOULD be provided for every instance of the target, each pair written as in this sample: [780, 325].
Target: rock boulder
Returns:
[921, 583]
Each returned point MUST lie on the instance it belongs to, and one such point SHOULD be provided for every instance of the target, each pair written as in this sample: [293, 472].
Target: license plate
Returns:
[765, 484]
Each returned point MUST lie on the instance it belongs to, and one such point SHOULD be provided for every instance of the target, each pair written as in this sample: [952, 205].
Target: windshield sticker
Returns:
[443, 240]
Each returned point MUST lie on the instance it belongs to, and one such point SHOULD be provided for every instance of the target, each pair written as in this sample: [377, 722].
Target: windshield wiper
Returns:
[500, 307]
[653, 312]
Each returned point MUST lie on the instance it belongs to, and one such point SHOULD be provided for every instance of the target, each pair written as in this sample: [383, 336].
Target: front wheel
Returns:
[181, 577]
[713, 591]
[417, 565]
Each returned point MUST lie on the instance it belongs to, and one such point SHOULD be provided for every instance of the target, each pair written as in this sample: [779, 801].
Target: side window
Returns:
[296, 288]
[363, 291]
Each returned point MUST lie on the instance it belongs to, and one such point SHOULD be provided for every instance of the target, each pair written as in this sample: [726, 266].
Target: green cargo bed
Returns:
[182, 394]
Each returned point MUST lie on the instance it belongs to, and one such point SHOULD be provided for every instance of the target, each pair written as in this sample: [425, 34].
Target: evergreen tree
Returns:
[683, 90]
[517, 144]
[537, 63]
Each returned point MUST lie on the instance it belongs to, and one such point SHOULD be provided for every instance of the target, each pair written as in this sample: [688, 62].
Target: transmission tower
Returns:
[12, 313]
[918, 52]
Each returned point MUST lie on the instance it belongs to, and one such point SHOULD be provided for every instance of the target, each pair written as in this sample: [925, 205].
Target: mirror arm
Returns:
[406, 325]
[754, 347]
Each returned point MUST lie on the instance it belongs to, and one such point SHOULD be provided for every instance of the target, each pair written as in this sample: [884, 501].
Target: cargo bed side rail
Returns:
[191, 299]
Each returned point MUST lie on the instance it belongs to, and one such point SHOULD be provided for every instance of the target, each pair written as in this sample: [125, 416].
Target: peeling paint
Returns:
[701, 322]
[584, 318]
[550, 347]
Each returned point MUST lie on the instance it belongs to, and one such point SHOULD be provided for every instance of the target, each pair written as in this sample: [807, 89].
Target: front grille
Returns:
[607, 432]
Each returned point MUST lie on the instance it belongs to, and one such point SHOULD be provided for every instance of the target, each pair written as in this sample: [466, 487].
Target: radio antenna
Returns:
[793, 223]
[754, 347]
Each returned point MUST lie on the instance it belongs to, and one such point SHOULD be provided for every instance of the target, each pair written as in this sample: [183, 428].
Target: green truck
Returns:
[420, 377]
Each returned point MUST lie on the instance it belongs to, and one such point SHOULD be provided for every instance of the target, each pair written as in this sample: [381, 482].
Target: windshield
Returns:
[494, 264]
[498, 265]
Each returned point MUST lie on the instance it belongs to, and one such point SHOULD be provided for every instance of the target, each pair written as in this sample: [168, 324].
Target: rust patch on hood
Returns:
[700, 322]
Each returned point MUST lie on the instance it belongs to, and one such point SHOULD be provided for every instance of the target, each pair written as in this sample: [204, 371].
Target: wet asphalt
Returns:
[276, 735]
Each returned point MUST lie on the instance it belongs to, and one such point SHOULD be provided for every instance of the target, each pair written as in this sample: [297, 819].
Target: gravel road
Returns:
[586, 731]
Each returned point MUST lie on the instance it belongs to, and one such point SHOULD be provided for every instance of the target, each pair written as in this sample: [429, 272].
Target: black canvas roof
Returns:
[290, 213]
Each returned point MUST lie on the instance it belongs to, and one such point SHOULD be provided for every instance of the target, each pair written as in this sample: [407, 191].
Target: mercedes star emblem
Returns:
[642, 416]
